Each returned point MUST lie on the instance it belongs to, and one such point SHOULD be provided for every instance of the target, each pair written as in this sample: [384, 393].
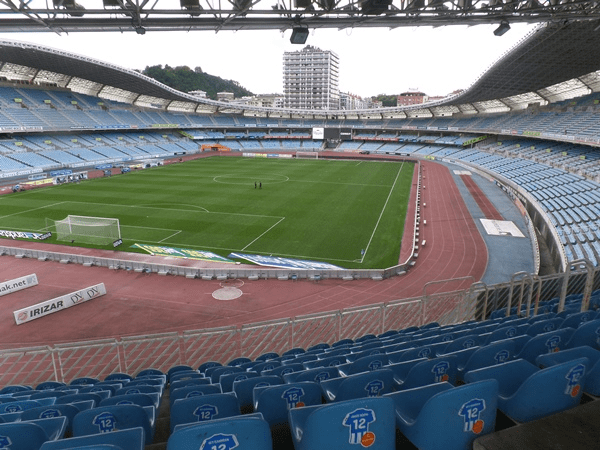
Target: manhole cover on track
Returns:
[227, 293]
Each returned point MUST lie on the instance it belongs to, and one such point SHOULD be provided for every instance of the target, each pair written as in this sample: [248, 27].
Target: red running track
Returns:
[138, 304]
[487, 208]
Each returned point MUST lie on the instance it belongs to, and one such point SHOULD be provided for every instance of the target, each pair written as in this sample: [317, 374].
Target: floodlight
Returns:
[75, 8]
[299, 35]
[140, 30]
[190, 4]
[503, 28]
[375, 7]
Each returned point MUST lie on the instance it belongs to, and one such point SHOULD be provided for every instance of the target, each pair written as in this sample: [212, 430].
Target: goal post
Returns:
[88, 230]
[307, 155]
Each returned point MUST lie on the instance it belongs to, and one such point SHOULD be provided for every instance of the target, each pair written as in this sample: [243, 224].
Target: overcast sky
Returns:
[373, 61]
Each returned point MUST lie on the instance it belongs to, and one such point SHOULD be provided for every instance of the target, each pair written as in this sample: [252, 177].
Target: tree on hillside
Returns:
[185, 79]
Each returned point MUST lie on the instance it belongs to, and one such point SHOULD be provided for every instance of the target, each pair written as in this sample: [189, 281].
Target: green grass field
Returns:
[307, 209]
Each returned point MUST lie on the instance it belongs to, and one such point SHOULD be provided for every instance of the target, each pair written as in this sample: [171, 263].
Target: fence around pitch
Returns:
[65, 362]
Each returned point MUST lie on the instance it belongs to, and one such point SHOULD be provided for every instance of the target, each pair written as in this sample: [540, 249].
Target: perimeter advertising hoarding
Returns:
[10, 286]
[59, 303]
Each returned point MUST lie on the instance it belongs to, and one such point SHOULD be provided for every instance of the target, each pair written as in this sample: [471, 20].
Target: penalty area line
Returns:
[169, 237]
[270, 228]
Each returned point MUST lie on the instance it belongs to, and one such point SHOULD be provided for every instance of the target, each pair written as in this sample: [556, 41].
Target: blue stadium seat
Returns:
[151, 399]
[244, 389]
[267, 356]
[214, 373]
[240, 433]
[576, 319]
[472, 340]
[208, 365]
[32, 434]
[283, 369]
[83, 381]
[118, 376]
[226, 381]
[266, 366]
[586, 334]
[105, 419]
[130, 439]
[274, 402]
[75, 398]
[367, 384]
[364, 364]
[440, 416]
[44, 412]
[14, 388]
[401, 369]
[544, 326]
[329, 361]
[294, 351]
[140, 389]
[206, 407]
[545, 343]
[185, 375]
[21, 405]
[147, 372]
[49, 385]
[527, 393]
[508, 331]
[319, 374]
[175, 369]
[193, 382]
[497, 352]
[592, 379]
[443, 368]
[365, 422]
[239, 361]
[194, 391]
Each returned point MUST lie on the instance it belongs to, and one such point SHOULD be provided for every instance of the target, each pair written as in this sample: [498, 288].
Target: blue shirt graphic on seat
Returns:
[470, 412]
[106, 422]
[220, 442]
[293, 396]
[206, 412]
[373, 388]
[358, 421]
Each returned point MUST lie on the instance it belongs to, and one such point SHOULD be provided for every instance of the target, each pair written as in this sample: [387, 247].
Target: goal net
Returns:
[307, 155]
[88, 230]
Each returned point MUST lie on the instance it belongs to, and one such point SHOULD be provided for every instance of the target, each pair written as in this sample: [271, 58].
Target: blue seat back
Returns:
[207, 365]
[547, 392]
[74, 398]
[239, 361]
[176, 369]
[185, 375]
[194, 391]
[457, 414]
[587, 333]
[283, 369]
[507, 331]
[21, 436]
[146, 372]
[364, 364]
[544, 326]
[274, 402]
[244, 389]
[130, 439]
[226, 381]
[18, 406]
[131, 399]
[319, 374]
[471, 340]
[435, 370]
[139, 389]
[366, 384]
[574, 320]
[203, 408]
[239, 433]
[14, 388]
[191, 382]
[105, 419]
[49, 385]
[118, 376]
[365, 422]
[45, 412]
[329, 361]
[545, 343]
[215, 372]
[497, 352]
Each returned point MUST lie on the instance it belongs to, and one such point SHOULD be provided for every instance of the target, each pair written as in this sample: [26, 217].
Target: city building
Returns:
[412, 97]
[311, 79]
[352, 101]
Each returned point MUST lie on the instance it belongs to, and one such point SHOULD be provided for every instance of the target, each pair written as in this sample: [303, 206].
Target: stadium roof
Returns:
[554, 62]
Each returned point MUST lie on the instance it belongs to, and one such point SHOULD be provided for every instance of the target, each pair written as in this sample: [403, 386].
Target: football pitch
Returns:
[323, 210]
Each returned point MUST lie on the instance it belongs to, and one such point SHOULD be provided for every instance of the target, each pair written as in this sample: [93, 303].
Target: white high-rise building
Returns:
[311, 79]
